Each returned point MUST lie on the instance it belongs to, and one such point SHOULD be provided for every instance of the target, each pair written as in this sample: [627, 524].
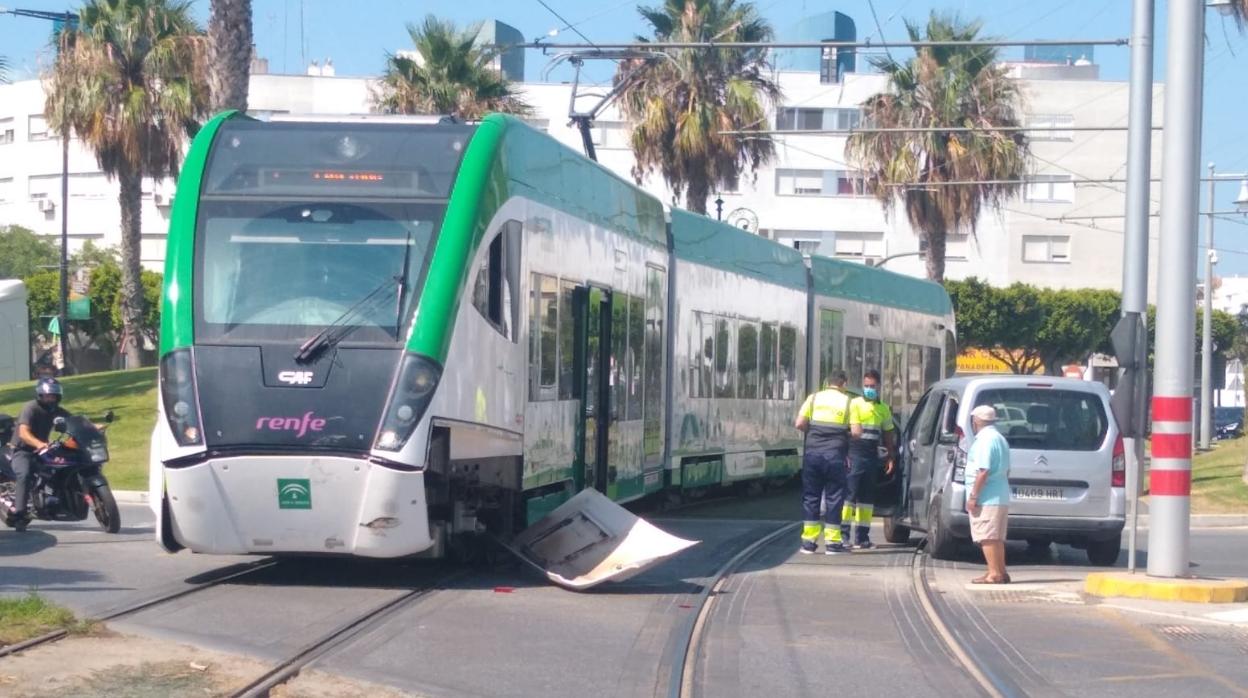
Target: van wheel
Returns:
[940, 541]
[895, 532]
[1104, 553]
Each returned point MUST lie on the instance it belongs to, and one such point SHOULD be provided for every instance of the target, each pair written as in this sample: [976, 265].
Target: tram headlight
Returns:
[181, 401]
[418, 378]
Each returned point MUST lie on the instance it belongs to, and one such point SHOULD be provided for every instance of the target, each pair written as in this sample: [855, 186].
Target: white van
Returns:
[14, 333]
[1067, 464]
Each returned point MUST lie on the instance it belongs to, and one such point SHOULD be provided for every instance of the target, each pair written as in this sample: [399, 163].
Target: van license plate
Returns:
[1038, 493]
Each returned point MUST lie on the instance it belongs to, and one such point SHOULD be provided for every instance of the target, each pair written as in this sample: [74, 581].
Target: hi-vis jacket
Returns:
[875, 418]
[828, 412]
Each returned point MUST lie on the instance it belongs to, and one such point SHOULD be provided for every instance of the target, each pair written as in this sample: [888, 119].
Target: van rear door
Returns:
[1061, 448]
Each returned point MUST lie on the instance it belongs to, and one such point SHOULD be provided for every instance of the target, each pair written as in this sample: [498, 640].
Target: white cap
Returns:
[984, 413]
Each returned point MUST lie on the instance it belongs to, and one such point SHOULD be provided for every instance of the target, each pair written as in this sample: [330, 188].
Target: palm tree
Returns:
[450, 74]
[229, 54]
[681, 104]
[942, 87]
[130, 80]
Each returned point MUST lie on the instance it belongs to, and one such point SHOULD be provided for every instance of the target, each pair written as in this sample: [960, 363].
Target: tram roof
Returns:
[699, 239]
[841, 279]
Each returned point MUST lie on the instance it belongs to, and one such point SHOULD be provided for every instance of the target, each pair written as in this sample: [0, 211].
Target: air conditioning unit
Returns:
[47, 205]
[161, 199]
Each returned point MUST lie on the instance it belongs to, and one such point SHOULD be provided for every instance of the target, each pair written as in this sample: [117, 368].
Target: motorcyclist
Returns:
[34, 428]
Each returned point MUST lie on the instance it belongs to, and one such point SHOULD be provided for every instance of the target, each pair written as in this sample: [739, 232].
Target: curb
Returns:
[1189, 590]
[1209, 520]
[140, 497]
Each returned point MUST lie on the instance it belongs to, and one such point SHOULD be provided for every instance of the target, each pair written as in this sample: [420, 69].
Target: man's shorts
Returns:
[990, 525]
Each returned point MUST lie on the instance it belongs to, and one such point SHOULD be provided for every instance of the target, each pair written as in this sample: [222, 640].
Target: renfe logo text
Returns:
[302, 425]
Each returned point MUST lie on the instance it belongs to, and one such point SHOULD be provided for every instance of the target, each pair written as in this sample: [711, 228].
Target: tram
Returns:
[380, 338]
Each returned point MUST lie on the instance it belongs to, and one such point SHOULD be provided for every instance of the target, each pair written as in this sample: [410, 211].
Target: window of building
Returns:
[6, 130]
[544, 333]
[790, 182]
[1054, 249]
[957, 246]
[37, 128]
[6, 190]
[539, 124]
[656, 307]
[788, 362]
[724, 373]
[1049, 189]
[816, 119]
[857, 245]
[831, 331]
[767, 362]
[43, 187]
[610, 134]
[493, 290]
[1051, 127]
[807, 246]
[747, 360]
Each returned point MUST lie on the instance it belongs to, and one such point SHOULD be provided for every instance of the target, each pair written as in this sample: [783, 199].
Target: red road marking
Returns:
[1170, 483]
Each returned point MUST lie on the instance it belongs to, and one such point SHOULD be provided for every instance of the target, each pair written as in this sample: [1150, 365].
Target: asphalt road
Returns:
[786, 624]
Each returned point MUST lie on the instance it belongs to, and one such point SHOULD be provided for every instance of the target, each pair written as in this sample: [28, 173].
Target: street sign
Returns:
[1129, 338]
[1125, 337]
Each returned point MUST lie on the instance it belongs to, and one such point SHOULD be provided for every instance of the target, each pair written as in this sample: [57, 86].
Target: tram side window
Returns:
[543, 332]
[931, 366]
[872, 357]
[724, 372]
[831, 330]
[619, 352]
[893, 388]
[914, 374]
[747, 360]
[705, 355]
[636, 359]
[788, 362]
[767, 362]
[567, 374]
[656, 306]
[854, 365]
[493, 291]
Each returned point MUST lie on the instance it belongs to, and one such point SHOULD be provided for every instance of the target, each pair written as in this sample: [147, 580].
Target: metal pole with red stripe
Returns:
[1170, 475]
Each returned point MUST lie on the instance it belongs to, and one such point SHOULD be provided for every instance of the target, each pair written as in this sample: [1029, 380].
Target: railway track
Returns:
[687, 651]
[226, 574]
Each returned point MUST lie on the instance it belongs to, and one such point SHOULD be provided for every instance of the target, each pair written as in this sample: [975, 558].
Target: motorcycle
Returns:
[1233, 430]
[66, 482]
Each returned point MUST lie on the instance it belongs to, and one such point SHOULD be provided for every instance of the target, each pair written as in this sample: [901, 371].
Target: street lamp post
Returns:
[1206, 329]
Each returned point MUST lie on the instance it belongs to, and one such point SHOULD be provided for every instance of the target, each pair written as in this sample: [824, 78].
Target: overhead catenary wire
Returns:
[921, 129]
[720, 45]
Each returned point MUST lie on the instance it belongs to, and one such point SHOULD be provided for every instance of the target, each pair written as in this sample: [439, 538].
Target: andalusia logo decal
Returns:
[294, 493]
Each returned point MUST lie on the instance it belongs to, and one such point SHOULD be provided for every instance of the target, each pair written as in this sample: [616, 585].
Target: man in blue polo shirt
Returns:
[988, 501]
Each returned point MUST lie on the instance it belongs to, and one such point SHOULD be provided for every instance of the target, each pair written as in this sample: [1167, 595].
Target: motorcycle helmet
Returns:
[48, 392]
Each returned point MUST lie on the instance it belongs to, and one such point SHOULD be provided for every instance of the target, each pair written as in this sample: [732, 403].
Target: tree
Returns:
[229, 54]
[453, 75]
[680, 105]
[130, 80]
[944, 87]
[22, 253]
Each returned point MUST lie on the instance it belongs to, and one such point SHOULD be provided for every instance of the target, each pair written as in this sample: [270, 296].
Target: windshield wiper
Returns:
[335, 331]
[398, 312]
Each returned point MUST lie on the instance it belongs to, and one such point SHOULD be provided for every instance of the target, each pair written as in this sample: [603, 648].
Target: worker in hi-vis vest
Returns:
[824, 418]
[870, 426]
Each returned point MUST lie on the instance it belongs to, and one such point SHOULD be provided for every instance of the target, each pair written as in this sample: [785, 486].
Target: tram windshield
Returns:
[300, 225]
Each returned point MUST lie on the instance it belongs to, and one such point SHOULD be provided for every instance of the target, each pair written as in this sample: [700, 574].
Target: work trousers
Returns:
[823, 482]
[864, 472]
[23, 462]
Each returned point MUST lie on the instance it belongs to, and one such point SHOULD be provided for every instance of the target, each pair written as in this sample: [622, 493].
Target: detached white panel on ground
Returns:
[589, 540]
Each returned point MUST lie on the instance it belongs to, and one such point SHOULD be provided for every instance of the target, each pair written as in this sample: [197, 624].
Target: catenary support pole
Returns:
[1206, 331]
[63, 317]
[1135, 242]
[1170, 477]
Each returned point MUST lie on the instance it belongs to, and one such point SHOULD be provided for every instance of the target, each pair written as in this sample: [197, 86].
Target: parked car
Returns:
[1067, 464]
[1228, 423]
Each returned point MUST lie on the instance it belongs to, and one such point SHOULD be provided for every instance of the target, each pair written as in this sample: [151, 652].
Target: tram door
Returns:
[592, 352]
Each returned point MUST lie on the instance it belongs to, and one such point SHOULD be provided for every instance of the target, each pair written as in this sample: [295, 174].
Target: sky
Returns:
[357, 36]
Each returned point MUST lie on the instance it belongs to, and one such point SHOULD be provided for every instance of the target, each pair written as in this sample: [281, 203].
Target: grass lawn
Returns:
[24, 617]
[1217, 479]
[131, 395]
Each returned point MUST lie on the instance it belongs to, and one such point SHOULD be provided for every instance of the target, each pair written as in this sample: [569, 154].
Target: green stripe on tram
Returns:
[177, 330]
[467, 214]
